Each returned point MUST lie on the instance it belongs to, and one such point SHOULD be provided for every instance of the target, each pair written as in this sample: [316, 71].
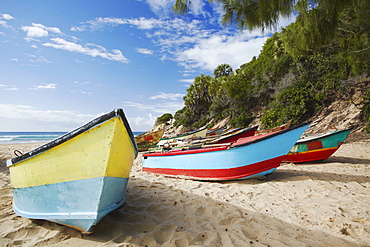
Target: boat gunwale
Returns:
[226, 147]
[315, 138]
[186, 151]
[233, 134]
[270, 135]
[72, 134]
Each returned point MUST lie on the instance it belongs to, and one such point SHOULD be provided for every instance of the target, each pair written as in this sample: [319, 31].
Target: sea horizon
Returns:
[13, 137]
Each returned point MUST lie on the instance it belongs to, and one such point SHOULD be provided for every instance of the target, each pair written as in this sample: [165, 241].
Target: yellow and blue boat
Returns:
[78, 178]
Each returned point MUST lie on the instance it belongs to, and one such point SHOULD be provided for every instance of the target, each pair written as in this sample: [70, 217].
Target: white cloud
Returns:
[4, 24]
[161, 108]
[40, 59]
[101, 22]
[46, 86]
[165, 7]
[98, 23]
[82, 82]
[114, 55]
[81, 91]
[39, 30]
[9, 88]
[6, 17]
[143, 123]
[209, 53]
[10, 111]
[188, 81]
[168, 96]
[193, 44]
[161, 7]
[144, 51]
[49, 29]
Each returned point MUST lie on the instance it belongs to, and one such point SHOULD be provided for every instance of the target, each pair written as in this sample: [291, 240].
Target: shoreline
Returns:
[324, 203]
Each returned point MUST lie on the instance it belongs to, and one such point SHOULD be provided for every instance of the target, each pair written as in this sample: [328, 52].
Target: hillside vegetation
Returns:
[290, 80]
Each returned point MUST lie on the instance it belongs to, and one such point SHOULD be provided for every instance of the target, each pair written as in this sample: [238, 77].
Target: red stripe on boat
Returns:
[219, 174]
[235, 137]
[315, 155]
[187, 151]
[148, 138]
[252, 138]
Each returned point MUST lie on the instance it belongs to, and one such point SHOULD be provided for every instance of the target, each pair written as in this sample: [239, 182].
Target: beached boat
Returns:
[215, 131]
[248, 157]
[227, 137]
[280, 127]
[194, 134]
[148, 140]
[313, 148]
[78, 178]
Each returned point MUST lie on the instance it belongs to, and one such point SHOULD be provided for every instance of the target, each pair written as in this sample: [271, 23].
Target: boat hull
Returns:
[78, 178]
[248, 157]
[85, 204]
[148, 140]
[318, 148]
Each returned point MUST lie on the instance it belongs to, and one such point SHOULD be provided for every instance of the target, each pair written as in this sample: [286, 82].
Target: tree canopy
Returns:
[299, 71]
[317, 21]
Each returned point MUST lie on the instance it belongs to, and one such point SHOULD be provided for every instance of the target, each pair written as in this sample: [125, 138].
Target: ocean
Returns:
[32, 137]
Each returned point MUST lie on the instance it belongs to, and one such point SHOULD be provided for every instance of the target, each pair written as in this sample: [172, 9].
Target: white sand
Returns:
[318, 204]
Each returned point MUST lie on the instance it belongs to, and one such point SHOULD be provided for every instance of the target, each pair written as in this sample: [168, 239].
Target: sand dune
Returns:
[317, 204]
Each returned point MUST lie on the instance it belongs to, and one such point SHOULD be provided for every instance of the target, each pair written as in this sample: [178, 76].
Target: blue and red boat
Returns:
[314, 148]
[247, 157]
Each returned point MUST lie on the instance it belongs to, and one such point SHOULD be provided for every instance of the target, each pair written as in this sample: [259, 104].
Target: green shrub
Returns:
[164, 118]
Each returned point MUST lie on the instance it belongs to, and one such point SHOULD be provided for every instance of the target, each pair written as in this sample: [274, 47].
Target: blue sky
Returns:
[64, 63]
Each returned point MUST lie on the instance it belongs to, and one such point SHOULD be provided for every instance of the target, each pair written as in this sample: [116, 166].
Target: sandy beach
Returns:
[325, 203]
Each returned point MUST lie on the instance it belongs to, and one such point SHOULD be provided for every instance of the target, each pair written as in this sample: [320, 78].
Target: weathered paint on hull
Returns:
[79, 204]
[319, 148]
[257, 158]
[76, 180]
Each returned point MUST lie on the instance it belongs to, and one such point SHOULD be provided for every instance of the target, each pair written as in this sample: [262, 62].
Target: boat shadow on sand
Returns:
[284, 174]
[156, 215]
[337, 159]
[295, 175]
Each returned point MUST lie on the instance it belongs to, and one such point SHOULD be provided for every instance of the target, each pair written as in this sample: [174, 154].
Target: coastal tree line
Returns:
[299, 71]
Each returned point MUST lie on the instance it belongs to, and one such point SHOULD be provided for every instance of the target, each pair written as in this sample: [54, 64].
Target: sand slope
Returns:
[319, 204]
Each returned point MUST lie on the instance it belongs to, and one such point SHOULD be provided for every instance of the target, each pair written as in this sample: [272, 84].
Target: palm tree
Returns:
[318, 20]
[222, 70]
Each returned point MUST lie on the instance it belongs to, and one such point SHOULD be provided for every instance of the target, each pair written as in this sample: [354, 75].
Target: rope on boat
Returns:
[17, 153]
